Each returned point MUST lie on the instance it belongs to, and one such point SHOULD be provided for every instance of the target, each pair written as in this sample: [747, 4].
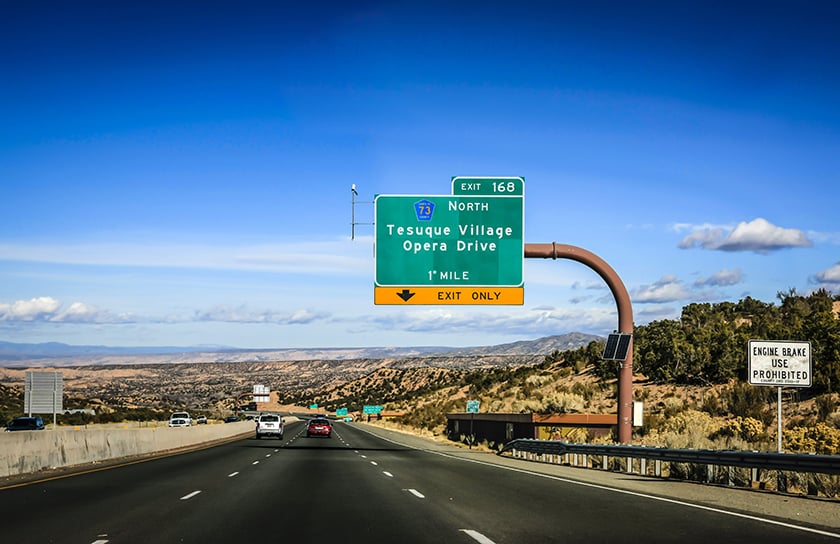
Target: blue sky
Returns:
[178, 173]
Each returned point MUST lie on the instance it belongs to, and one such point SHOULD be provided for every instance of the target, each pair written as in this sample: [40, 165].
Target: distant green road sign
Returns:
[372, 409]
[449, 240]
[472, 406]
[313, 406]
[341, 412]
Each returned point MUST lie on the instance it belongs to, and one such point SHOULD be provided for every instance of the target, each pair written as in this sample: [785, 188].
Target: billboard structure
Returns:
[43, 393]
[262, 393]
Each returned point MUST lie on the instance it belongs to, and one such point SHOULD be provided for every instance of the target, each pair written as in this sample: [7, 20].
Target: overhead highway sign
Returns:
[449, 240]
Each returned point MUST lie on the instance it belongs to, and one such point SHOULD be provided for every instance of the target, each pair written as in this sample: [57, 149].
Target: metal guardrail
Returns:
[780, 471]
[823, 464]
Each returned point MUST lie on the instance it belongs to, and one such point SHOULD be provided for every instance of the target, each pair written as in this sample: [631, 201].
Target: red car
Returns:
[319, 427]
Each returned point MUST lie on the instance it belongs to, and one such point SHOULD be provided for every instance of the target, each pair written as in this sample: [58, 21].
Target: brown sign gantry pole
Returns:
[625, 320]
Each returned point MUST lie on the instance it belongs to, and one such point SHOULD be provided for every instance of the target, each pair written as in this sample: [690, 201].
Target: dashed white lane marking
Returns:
[622, 491]
[364, 456]
[388, 474]
[374, 463]
[416, 493]
[99, 542]
[268, 455]
[255, 463]
[190, 495]
[232, 474]
[478, 537]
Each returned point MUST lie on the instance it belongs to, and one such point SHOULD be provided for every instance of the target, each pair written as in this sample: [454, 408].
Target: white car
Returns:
[180, 419]
[270, 425]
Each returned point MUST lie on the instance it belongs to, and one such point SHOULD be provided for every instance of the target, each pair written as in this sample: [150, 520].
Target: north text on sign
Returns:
[461, 206]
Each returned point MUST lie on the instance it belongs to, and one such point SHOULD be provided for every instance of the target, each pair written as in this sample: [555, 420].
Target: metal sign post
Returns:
[472, 409]
[625, 320]
[779, 420]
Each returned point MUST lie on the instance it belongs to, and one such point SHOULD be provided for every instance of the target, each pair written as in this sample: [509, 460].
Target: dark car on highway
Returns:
[34, 423]
[319, 427]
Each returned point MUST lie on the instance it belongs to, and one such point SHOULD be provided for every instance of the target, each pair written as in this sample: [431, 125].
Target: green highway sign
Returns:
[341, 412]
[486, 185]
[371, 409]
[452, 240]
[472, 406]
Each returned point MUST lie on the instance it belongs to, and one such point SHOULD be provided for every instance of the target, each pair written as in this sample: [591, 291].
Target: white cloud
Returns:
[832, 238]
[463, 321]
[830, 275]
[334, 257]
[78, 312]
[667, 289]
[241, 314]
[29, 310]
[723, 278]
[705, 236]
[595, 286]
[759, 235]
[48, 309]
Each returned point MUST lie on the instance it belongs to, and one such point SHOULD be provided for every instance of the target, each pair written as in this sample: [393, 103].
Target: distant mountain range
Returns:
[56, 350]
[55, 353]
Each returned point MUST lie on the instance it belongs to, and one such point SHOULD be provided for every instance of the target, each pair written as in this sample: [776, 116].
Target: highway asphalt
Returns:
[366, 485]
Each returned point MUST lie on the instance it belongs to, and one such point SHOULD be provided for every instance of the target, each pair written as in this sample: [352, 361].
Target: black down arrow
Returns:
[405, 295]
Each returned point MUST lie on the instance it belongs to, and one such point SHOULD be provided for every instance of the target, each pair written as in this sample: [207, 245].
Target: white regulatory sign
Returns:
[780, 363]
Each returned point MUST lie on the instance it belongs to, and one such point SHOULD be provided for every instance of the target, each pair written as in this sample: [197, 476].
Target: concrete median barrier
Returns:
[26, 452]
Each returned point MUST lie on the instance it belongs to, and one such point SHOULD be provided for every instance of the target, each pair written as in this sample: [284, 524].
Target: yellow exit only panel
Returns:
[449, 295]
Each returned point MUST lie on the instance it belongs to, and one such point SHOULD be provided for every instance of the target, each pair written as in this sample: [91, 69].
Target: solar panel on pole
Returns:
[617, 346]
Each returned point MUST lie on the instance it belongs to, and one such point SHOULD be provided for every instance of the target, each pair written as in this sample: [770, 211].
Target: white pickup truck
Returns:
[180, 419]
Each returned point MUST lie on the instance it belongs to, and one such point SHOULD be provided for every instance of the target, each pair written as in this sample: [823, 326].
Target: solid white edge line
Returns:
[416, 493]
[190, 495]
[616, 490]
[478, 537]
